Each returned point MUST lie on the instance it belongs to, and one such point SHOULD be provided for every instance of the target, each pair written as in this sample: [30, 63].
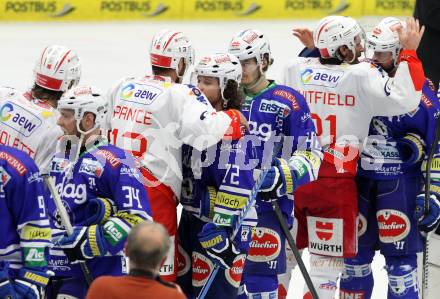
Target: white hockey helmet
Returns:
[58, 68]
[84, 99]
[250, 43]
[223, 66]
[333, 32]
[384, 37]
[168, 47]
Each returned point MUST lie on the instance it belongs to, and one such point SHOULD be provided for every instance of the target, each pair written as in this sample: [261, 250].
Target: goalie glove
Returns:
[31, 283]
[215, 240]
[86, 242]
[429, 222]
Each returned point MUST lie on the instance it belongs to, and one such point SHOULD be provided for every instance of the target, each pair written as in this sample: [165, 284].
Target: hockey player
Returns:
[26, 234]
[101, 190]
[275, 113]
[217, 184]
[389, 182]
[343, 96]
[28, 120]
[154, 115]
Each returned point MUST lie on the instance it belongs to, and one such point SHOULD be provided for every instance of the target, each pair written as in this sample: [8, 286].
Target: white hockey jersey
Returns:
[344, 98]
[28, 125]
[152, 117]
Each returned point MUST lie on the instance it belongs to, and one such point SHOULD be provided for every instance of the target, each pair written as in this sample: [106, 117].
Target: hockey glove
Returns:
[30, 284]
[100, 210]
[429, 222]
[411, 149]
[279, 181]
[85, 242]
[215, 240]
[6, 287]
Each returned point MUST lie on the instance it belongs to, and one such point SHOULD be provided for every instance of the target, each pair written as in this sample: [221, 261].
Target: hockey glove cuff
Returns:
[100, 210]
[30, 284]
[215, 240]
[429, 221]
[85, 242]
[411, 149]
[278, 181]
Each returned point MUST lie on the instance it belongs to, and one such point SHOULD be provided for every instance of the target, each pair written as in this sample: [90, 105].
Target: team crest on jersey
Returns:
[233, 275]
[325, 235]
[362, 224]
[183, 261]
[91, 167]
[5, 176]
[393, 225]
[201, 268]
[265, 245]
[19, 119]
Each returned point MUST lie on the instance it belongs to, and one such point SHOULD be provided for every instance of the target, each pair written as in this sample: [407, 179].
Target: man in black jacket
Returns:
[428, 13]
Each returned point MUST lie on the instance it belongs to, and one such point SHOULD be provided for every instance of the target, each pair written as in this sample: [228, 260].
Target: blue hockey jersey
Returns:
[382, 157]
[102, 171]
[26, 233]
[280, 114]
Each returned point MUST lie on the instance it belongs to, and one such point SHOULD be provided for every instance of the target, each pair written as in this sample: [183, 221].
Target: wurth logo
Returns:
[324, 230]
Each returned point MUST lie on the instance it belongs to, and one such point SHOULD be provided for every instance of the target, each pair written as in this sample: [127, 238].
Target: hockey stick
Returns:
[65, 221]
[434, 146]
[241, 217]
[295, 250]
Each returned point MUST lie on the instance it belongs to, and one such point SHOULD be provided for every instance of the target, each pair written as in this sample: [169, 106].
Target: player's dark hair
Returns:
[43, 93]
[234, 95]
[269, 61]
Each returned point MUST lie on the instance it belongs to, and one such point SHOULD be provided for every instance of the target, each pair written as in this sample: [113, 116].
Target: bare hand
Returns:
[411, 36]
[305, 36]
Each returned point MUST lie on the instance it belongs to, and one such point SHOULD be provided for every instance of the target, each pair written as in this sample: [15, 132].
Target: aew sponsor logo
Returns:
[19, 119]
[233, 275]
[143, 94]
[275, 107]
[325, 235]
[393, 225]
[264, 246]
[48, 7]
[91, 167]
[321, 77]
[183, 261]
[201, 267]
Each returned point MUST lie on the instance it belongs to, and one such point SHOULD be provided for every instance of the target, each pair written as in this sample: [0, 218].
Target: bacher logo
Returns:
[321, 77]
[19, 119]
